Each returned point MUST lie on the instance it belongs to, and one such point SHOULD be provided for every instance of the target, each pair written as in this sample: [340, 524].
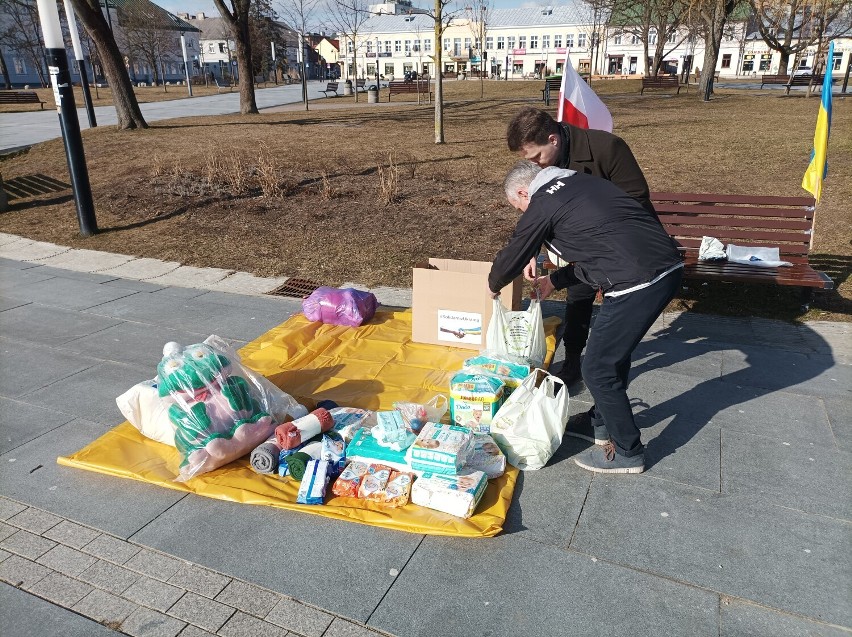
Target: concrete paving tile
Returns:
[71, 534]
[242, 625]
[11, 278]
[92, 499]
[143, 268]
[8, 508]
[799, 475]
[132, 284]
[23, 422]
[262, 303]
[179, 292]
[508, 585]
[693, 327]
[6, 531]
[109, 577]
[28, 250]
[203, 612]
[21, 572]
[81, 260]
[25, 615]
[154, 564]
[34, 520]
[111, 549]
[200, 580]
[840, 419]
[696, 360]
[131, 343]
[62, 273]
[105, 608]
[246, 597]
[682, 452]
[194, 631]
[10, 304]
[91, 393]
[740, 619]
[740, 546]
[302, 619]
[68, 294]
[234, 531]
[66, 560]
[245, 283]
[27, 544]
[145, 622]
[189, 276]
[343, 628]
[4, 555]
[61, 589]
[152, 593]
[52, 326]
[393, 297]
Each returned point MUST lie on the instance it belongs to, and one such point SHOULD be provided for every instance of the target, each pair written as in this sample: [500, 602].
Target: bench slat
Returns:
[785, 249]
[749, 200]
[683, 222]
[734, 211]
[801, 275]
[732, 234]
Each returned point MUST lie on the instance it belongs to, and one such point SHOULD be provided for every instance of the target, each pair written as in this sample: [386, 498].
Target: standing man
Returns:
[617, 246]
[536, 136]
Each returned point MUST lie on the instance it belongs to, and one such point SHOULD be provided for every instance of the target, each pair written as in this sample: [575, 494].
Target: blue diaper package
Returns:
[314, 483]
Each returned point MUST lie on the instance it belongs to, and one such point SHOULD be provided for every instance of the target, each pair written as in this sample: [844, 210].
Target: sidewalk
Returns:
[740, 526]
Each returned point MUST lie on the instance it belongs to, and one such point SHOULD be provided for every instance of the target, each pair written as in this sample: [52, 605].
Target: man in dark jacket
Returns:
[617, 246]
[536, 136]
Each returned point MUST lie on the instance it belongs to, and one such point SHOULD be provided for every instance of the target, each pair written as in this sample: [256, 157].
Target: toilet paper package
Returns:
[457, 495]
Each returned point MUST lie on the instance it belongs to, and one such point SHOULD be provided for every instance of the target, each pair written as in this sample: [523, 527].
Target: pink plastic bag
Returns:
[334, 306]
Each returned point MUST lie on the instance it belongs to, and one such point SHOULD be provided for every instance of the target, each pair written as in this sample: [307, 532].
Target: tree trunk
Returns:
[126, 107]
[439, 84]
[5, 71]
[648, 72]
[714, 23]
[248, 105]
[783, 61]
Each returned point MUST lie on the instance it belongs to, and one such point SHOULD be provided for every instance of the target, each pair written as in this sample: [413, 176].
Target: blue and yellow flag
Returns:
[818, 168]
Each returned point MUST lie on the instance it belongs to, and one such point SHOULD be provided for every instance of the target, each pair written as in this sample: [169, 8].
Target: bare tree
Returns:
[147, 34]
[238, 18]
[791, 26]
[22, 33]
[478, 14]
[348, 18]
[7, 81]
[112, 62]
[441, 16]
[654, 22]
[713, 16]
[300, 15]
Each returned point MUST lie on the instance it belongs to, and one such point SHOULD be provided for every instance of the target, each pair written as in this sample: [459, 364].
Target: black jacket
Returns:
[602, 154]
[613, 241]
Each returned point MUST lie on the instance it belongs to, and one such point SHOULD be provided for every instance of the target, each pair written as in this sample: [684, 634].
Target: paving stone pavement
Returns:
[740, 526]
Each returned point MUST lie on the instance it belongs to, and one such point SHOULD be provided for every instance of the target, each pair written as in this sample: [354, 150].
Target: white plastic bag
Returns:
[530, 424]
[518, 333]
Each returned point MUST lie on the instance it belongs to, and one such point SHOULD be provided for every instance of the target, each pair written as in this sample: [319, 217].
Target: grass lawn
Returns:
[343, 193]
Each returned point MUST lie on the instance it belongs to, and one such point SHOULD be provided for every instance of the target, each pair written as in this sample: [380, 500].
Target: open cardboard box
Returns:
[451, 305]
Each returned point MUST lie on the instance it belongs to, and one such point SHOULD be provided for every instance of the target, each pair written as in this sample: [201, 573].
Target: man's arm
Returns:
[524, 244]
[624, 172]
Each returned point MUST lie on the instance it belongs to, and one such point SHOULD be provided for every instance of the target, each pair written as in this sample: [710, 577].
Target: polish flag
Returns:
[578, 103]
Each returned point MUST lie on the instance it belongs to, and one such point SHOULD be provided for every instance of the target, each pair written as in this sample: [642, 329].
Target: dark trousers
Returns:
[578, 316]
[621, 323]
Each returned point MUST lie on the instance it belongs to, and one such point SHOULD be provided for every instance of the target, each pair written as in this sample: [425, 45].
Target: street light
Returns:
[378, 84]
[81, 64]
[185, 63]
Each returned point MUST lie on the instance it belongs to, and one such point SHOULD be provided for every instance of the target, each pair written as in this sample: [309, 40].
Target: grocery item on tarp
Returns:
[148, 412]
[335, 306]
[396, 492]
[440, 448]
[264, 457]
[518, 333]
[367, 449]
[334, 452]
[313, 448]
[314, 483]
[347, 483]
[374, 481]
[390, 431]
[220, 409]
[292, 434]
[348, 420]
[474, 399]
[511, 369]
[486, 457]
[416, 415]
[457, 495]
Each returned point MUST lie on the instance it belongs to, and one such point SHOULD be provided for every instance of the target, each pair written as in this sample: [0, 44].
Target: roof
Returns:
[154, 14]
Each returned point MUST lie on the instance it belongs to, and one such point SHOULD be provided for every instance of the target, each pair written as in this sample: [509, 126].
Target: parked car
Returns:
[803, 70]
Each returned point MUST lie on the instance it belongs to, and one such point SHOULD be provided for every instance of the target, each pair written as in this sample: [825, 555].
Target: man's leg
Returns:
[621, 323]
[578, 316]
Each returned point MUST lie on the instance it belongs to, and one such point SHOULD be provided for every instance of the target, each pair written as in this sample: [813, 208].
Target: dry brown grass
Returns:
[331, 227]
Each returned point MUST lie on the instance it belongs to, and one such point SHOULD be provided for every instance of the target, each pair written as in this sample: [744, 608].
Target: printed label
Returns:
[460, 327]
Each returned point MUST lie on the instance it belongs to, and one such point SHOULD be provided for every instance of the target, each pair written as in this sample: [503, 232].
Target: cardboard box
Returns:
[451, 305]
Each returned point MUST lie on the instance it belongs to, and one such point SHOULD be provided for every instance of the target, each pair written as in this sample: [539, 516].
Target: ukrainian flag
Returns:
[818, 168]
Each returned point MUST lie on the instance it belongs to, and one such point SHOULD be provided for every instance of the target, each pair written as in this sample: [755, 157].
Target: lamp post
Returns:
[81, 64]
[274, 65]
[185, 62]
[378, 84]
[63, 92]
[506, 70]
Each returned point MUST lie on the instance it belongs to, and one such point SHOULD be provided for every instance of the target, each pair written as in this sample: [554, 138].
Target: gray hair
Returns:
[520, 176]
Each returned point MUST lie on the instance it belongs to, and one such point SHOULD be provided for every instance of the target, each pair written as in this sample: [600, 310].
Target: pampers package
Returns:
[474, 399]
[440, 448]
[512, 370]
[457, 495]
[486, 457]
[366, 448]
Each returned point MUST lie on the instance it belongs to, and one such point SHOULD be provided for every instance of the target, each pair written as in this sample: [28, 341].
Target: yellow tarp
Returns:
[368, 367]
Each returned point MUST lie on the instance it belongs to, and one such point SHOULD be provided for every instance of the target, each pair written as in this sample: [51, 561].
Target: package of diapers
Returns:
[457, 495]
[348, 420]
[314, 482]
[440, 448]
[474, 399]
[373, 482]
[486, 457]
[367, 449]
[347, 484]
[512, 370]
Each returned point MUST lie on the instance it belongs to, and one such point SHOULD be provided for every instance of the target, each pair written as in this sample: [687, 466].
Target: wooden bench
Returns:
[798, 80]
[330, 88]
[661, 81]
[221, 87]
[361, 85]
[20, 97]
[551, 85]
[785, 223]
[421, 87]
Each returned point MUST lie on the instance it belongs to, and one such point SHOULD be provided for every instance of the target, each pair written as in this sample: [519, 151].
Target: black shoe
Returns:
[570, 372]
[580, 426]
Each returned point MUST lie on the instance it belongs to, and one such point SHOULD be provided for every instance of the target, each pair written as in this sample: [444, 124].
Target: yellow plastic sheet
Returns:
[369, 367]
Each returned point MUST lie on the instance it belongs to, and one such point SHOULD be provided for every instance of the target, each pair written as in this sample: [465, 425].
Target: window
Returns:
[671, 38]
[533, 41]
[748, 63]
[581, 40]
[726, 61]
[371, 69]
[691, 38]
[388, 68]
[617, 39]
[467, 43]
[190, 44]
[510, 41]
[457, 46]
[408, 46]
[350, 46]
[634, 39]
[835, 63]
[545, 42]
[397, 46]
[557, 41]
[417, 45]
[501, 42]
[387, 46]
[489, 43]
[221, 47]
[211, 48]
[652, 37]
[569, 40]
[369, 48]
[427, 44]
[20, 66]
[446, 44]
[522, 41]
[765, 61]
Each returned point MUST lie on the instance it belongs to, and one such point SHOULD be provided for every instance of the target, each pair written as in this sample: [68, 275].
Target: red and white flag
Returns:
[578, 103]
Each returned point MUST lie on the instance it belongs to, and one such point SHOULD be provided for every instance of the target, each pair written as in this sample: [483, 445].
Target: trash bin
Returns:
[347, 87]
[372, 94]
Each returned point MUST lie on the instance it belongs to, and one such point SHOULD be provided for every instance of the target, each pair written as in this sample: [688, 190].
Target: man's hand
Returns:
[545, 287]
[493, 295]
[530, 270]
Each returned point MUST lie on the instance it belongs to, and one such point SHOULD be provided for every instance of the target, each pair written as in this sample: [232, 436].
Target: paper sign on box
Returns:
[451, 305]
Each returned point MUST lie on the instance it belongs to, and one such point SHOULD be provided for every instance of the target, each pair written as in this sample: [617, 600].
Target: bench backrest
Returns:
[422, 85]
[332, 86]
[553, 83]
[19, 96]
[661, 79]
[782, 222]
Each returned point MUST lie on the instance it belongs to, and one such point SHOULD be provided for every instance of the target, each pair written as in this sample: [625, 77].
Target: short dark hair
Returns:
[530, 126]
